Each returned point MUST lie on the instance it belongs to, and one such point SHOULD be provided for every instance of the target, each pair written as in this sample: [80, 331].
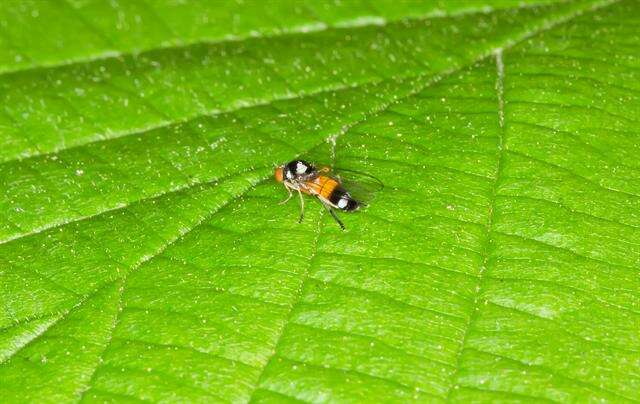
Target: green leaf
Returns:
[143, 256]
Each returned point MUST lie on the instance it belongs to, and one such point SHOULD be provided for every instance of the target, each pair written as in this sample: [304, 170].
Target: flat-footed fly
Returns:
[323, 183]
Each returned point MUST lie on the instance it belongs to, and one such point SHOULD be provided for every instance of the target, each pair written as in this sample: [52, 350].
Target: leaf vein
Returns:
[488, 243]
[554, 373]
[390, 299]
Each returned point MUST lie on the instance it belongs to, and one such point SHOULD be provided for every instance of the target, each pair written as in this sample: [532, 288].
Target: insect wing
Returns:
[361, 186]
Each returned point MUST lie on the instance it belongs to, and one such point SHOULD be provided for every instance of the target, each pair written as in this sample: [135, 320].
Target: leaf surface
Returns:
[143, 255]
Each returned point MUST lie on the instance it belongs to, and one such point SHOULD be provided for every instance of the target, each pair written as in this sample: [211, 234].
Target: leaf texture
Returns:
[143, 256]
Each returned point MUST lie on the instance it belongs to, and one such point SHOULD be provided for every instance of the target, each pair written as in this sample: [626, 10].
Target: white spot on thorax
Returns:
[301, 168]
[342, 203]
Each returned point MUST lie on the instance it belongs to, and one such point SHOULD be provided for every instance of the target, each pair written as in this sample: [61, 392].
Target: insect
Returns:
[323, 183]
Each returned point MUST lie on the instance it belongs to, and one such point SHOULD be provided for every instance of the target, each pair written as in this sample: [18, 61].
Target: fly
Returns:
[322, 183]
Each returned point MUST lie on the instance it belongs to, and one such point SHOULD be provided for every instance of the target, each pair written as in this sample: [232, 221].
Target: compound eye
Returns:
[278, 174]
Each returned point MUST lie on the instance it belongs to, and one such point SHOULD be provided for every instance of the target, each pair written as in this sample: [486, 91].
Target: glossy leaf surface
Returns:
[143, 255]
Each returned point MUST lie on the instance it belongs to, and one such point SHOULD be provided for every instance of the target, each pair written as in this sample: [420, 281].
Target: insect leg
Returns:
[288, 197]
[333, 214]
[301, 207]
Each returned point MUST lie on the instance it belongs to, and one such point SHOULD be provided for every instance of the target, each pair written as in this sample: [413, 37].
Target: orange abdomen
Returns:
[331, 192]
[322, 186]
